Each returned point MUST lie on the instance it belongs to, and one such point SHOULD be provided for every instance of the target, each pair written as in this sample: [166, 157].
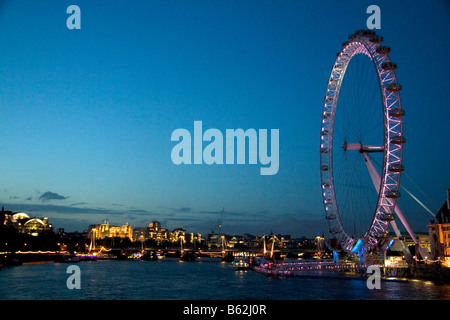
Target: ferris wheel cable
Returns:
[362, 97]
[343, 201]
[367, 195]
[418, 201]
[358, 117]
[364, 132]
[420, 190]
[371, 92]
[370, 130]
[352, 81]
[354, 209]
[411, 194]
[358, 203]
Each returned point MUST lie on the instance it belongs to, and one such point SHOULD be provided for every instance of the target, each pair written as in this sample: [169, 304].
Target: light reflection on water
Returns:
[204, 279]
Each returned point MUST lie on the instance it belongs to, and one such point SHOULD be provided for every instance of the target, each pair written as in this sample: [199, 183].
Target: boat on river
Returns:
[240, 265]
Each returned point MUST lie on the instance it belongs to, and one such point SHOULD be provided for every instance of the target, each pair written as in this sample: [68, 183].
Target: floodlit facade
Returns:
[105, 230]
[439, 233]
[156, 232]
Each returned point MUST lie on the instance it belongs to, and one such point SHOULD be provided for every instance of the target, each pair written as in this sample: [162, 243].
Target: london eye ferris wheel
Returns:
[361, 143]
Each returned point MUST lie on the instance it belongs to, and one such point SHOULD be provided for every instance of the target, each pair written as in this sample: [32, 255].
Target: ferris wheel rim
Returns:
[368, 43]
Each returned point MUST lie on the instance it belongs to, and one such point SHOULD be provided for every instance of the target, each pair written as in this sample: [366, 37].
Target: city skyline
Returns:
[88, 114]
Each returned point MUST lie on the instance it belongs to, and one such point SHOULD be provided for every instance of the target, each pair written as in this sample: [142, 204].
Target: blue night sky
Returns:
[87, 115]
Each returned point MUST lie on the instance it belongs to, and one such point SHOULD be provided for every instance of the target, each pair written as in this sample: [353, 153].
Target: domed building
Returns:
[24, 223]
[35, 226]
[20, 216]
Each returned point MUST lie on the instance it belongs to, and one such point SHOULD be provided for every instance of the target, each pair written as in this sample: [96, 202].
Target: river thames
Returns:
[204, 279]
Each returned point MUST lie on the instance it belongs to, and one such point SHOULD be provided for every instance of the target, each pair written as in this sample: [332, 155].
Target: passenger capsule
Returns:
[398, 140]
[393, 87]
[383, 50]
[326, 185]
[333, 83]
[389, 65]
[376, 39]
[368, 33]
[387, 217]
[382, 236]
[396, 112]
[396, 168]
[393, 194]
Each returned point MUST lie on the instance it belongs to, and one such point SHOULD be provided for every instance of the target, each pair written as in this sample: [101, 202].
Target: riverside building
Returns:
[24, 223]
[439, 233]
[105, 230]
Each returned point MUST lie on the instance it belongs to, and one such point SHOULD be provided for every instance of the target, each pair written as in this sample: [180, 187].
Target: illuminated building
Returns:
[439, 233]
[35, 226]
[24, 223]
[196, 238]
[214, 240]
[157, 233]
[105, 230]
[154, 225]
[125, 231]
[176, 234]
[140, 234]
[236, 242]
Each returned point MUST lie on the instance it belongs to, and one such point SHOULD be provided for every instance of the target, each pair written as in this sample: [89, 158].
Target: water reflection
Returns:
[206, 279]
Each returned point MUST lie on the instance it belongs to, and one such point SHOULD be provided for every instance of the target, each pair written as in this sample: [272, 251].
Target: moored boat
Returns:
[70, 259]
[240, 265]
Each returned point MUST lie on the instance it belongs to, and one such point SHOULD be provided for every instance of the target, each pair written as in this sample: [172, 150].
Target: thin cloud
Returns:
[47, 196]
[118, 205]
[182, 209]
[139, 211]
[78, 204]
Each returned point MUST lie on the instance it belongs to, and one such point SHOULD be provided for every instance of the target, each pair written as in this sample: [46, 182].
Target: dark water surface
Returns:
[204, 279]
